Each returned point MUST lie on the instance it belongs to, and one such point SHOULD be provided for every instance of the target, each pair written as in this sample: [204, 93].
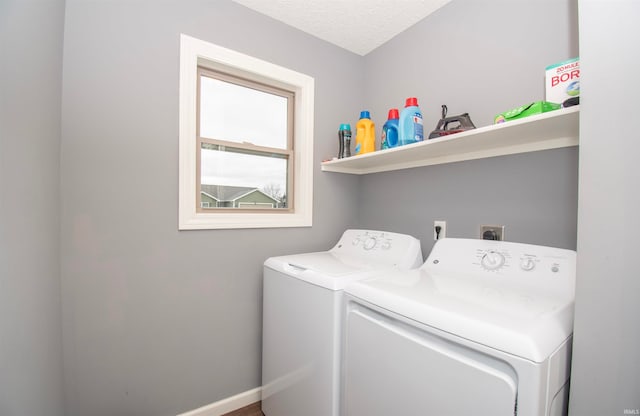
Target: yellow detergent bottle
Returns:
[365, 134]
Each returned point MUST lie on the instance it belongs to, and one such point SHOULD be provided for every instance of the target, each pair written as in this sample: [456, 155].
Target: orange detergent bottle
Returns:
[365, 134]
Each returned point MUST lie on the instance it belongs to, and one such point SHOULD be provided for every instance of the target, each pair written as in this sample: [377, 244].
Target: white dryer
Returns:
[302, 315]
[482, 328]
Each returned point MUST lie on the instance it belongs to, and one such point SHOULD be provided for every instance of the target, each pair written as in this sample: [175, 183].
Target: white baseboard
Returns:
[227, 405]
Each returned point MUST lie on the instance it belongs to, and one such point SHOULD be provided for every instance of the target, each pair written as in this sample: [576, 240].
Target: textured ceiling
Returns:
[356, 25]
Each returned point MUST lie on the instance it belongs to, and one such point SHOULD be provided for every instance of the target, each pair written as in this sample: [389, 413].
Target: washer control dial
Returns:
[492, 260]
[370, 243]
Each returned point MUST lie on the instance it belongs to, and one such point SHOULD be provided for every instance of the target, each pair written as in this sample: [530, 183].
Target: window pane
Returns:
[237, 178]
[239, 114]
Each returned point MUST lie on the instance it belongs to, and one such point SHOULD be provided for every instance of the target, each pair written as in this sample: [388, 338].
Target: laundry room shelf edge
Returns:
[550, 130]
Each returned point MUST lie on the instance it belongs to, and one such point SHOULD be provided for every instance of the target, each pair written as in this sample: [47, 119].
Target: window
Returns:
[245, 144]
[246, 148]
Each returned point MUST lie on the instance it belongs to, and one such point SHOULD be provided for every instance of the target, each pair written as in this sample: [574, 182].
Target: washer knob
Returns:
[370, 243]
[527, 264]
[492, 260]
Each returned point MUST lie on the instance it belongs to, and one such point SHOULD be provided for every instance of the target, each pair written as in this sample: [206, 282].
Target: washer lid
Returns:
[519, 322]
[357, 255]
[324, 268]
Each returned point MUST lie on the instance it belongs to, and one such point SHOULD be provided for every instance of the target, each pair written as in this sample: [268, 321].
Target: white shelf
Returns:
[552, 130]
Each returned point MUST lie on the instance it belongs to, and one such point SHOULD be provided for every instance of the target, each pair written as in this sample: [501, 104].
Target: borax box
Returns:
[563, 81]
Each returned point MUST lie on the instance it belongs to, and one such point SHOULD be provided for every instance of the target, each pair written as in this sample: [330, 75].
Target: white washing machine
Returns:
[302, 315]
[482, 328]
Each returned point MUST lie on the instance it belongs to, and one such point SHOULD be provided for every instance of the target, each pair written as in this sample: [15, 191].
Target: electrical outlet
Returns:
[492, 232]
[443, 230]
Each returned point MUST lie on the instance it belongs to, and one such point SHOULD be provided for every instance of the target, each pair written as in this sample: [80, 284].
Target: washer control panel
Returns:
[380, 247]
[370, 240]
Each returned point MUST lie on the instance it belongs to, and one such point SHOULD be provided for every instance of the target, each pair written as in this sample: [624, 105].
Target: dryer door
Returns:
[394, 368]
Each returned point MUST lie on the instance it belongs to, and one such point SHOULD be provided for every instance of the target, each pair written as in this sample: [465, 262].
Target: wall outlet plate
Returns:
[492, 232]
[443, 230]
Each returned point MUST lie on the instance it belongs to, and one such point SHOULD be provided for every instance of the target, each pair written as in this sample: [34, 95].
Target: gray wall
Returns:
[480, 57]
[30, 326]
[606, 361]
[533, 195]
[156, 321]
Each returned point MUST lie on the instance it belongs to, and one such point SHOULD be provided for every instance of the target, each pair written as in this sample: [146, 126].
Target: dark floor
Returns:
[253, 409]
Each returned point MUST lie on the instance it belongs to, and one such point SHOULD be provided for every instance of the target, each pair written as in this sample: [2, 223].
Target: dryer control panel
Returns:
[504, 264]
[495, 259]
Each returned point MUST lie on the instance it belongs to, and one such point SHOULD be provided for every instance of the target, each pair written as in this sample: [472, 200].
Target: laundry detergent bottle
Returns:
[365, 134]
[411, 128]
[389, 137]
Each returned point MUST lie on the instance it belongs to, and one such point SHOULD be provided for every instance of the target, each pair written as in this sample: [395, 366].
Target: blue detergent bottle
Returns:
[411, 128]
[389, 136]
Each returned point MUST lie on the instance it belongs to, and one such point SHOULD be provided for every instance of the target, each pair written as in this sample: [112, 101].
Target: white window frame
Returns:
[194, 52]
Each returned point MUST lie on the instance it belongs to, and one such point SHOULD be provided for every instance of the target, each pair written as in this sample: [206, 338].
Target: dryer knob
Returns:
[527, 264]
[492, 260]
